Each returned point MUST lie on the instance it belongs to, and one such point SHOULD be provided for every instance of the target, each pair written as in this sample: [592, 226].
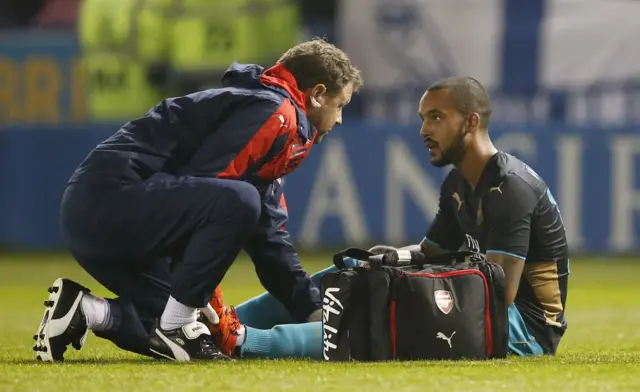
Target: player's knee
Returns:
[246, 200]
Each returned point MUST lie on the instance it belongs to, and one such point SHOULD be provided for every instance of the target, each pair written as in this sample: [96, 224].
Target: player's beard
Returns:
[456, 150]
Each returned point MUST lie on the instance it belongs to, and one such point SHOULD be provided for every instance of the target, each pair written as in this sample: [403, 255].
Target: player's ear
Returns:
[473, 123]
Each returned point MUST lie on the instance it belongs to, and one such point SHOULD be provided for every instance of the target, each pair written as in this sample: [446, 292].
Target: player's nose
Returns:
[424, 132]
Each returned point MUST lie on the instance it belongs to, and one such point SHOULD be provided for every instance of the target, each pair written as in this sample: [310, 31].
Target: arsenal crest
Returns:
[443, 300]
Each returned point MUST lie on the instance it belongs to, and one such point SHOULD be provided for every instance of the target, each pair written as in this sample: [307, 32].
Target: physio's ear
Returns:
[316, 94]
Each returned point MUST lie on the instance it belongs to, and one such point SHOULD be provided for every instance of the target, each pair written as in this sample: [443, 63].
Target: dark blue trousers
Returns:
[166, 236]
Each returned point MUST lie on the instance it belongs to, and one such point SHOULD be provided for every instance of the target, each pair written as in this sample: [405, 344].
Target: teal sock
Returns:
[284, 341]
[348, 262]
[265, 311]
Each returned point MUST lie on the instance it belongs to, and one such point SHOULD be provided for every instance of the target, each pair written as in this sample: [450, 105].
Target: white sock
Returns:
[97, 312]
[242, 335]
[177, 315]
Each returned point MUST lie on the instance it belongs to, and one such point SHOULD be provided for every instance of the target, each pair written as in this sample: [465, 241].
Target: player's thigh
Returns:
[155, 217]
[521, 341]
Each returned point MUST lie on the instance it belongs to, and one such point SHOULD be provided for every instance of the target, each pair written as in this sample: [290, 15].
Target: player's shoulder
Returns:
[516, 178]
[517, 171]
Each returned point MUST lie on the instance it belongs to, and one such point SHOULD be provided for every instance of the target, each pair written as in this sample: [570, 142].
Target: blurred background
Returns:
[564, 76]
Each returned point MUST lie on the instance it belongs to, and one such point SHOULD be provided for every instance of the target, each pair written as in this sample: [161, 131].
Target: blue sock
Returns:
[348, 262]
[264, 311]
[284, 341]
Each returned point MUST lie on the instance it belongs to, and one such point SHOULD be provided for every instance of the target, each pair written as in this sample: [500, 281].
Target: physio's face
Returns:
[329, 114]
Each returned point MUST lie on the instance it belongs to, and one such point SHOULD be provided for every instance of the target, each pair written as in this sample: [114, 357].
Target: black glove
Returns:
[382, 249]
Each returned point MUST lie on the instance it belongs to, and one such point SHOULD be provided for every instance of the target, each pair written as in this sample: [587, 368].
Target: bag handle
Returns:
[403, 258]
[354, 253]
[454, 257]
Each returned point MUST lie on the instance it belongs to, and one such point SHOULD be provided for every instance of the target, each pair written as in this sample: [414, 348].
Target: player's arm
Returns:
[444, 235]
[512, 266]
[276, 260]
[429, 248]
[510, 212]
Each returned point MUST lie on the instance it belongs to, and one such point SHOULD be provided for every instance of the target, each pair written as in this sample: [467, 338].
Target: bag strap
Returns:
[354, 253]
[412, 258]
[454, 257]
[450, 259]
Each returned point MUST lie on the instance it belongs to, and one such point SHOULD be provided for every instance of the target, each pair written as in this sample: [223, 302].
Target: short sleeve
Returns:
[444, 231]
[510, 206]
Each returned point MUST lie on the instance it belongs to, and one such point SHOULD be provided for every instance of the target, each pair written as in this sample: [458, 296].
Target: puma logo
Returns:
[456, 196]
[442, 336]
[496, 188]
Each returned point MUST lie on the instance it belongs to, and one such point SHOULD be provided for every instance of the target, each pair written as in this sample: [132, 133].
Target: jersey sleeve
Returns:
[444, 231]
[510, 207]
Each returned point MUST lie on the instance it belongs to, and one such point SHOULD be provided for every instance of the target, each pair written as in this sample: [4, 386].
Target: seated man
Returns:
[491, 202]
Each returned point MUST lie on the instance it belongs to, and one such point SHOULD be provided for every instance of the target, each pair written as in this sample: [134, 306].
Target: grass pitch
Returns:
[600, 352]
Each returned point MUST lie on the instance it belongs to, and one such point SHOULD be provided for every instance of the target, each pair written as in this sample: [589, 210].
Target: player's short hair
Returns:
[468, 96]
[317, 61]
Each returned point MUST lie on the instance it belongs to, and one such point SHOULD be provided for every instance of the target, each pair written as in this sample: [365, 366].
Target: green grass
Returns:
[601, 350]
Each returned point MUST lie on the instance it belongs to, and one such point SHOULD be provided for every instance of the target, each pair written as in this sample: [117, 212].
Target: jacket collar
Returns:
[279, 76]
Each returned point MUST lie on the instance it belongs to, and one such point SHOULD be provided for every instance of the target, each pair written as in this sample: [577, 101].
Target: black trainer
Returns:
[63, 322]
[191, 342]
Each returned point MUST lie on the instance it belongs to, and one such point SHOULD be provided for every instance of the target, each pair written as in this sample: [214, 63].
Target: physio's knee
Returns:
[243, 201]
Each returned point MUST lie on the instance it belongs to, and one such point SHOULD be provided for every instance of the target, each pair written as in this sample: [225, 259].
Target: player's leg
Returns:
[268, 330]
[265, 311]
[283, 341]
[305, 340]
[521, 342]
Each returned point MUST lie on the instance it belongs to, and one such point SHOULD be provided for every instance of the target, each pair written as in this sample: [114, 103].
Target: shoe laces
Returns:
[234, 323]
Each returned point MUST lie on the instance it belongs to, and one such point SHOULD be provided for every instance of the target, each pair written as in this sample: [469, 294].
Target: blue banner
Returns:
[40, 79]
[366, 183]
